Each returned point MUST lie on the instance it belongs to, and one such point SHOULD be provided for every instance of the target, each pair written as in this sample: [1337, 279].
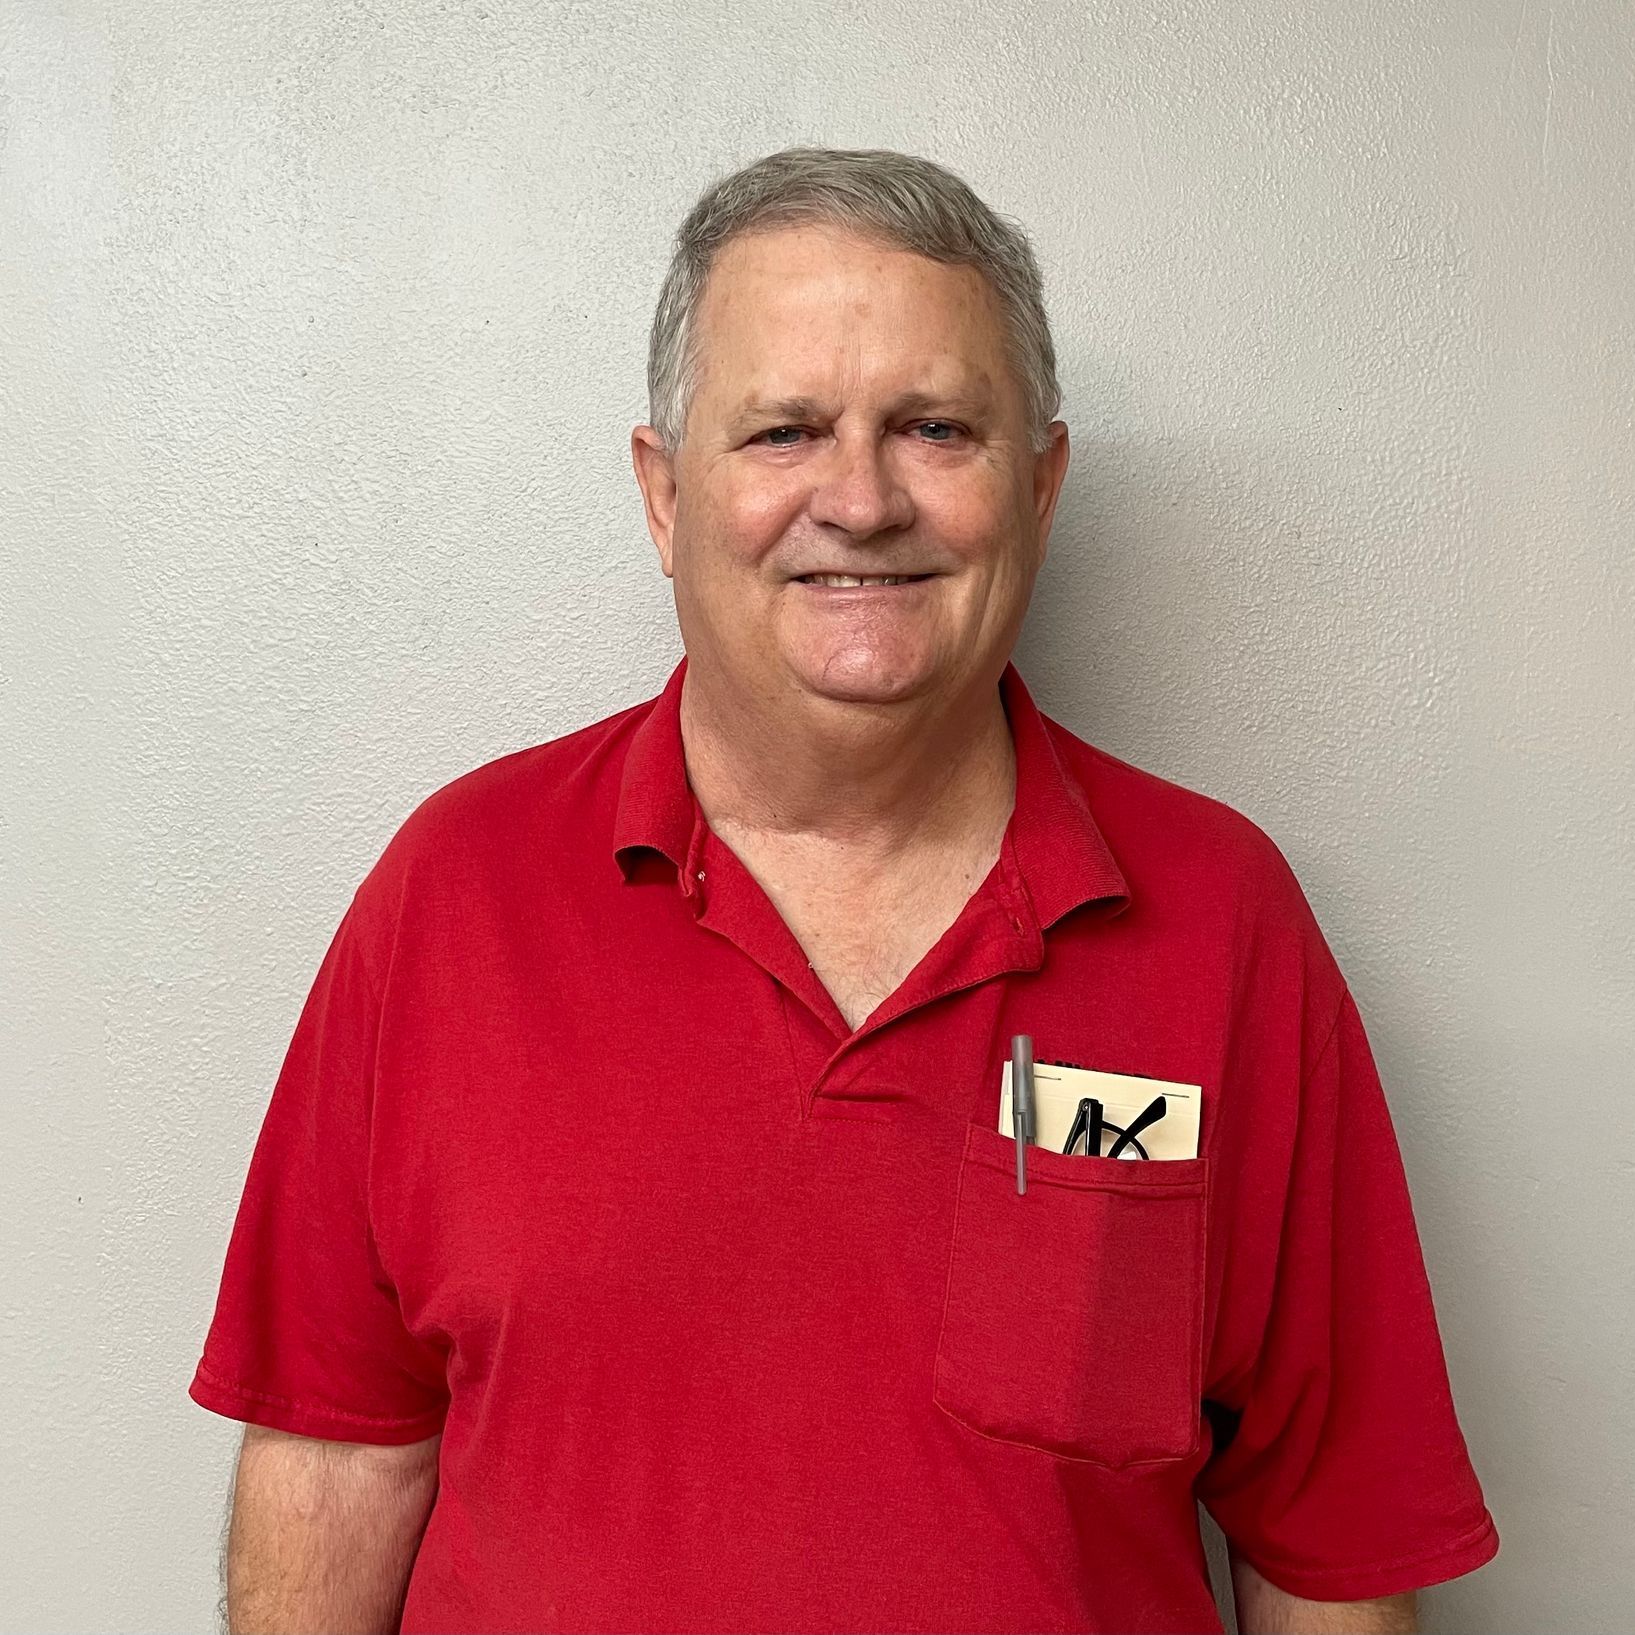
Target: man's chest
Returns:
[623, 1103]
[597, 1189]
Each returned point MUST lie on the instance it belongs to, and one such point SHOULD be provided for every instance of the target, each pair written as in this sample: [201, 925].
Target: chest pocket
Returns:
[1073, 1316]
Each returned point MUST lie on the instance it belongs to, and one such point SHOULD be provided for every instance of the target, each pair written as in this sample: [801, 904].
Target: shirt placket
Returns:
[872, 1072]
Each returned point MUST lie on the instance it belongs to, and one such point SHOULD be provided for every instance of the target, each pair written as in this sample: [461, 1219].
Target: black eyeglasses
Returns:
[1089, 1125]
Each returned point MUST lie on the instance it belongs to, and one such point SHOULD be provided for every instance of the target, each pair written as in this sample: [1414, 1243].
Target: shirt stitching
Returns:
[221, 1383]
[377, 991]
[1293, 1568]
[1328, 1039]
[352, 931]
[1239, 1384]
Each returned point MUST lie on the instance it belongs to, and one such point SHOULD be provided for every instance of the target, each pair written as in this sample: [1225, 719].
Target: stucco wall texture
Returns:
[324, 329]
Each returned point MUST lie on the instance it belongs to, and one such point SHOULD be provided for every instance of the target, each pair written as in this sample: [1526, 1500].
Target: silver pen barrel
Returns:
[1022, 1125]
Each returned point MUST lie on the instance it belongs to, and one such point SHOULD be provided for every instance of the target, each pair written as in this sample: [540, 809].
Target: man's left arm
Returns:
[1337, 1464]
[1264, 1609]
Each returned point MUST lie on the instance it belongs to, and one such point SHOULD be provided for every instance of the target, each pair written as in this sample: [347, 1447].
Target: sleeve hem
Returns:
[235, 1401]
[1398, 1576]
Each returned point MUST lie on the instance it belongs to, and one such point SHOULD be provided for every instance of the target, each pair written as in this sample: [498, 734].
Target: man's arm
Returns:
[323, 1533]
[1264, 1609]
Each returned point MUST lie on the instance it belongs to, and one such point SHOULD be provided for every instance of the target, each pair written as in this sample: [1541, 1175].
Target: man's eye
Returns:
[944, 431]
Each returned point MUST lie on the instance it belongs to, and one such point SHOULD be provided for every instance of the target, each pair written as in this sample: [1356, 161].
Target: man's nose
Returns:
[857, 487]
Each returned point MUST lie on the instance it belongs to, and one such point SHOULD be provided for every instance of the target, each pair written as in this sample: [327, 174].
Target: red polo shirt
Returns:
[731, 1318]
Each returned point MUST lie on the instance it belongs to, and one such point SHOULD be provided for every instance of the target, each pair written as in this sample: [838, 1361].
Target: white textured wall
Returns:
[323, 332]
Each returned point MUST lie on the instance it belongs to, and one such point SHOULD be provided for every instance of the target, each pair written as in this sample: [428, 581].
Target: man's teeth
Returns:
[843, 580]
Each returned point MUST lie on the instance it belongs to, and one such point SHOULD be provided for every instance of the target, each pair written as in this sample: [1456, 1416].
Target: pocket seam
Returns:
[1134, 1176]
[1067, 1458]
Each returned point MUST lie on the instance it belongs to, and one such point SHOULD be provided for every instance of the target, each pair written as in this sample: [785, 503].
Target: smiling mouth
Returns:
[847, 581]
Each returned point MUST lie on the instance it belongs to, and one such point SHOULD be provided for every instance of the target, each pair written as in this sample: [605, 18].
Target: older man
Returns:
[633, 1241]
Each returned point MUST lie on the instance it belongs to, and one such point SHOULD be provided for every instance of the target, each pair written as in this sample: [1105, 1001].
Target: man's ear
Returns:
[656, 475]
[1049, 472]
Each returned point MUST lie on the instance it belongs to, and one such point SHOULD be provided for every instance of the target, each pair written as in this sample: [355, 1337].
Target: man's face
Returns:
[855, 414]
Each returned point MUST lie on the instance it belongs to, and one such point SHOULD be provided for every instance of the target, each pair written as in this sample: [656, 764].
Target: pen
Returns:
[1022, 1103]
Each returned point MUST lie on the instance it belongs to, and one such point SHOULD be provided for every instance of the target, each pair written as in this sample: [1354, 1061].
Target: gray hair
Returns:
[896, 198]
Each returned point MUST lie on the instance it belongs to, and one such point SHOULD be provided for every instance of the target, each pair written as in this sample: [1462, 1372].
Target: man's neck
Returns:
[877, 782]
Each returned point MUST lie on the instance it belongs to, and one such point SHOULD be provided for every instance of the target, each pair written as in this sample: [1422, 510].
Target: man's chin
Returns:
[860, 680]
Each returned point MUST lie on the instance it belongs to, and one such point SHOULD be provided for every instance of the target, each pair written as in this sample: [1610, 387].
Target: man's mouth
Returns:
[847, 581]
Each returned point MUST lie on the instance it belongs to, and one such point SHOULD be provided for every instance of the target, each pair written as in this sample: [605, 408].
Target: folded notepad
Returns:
[1123, 1097]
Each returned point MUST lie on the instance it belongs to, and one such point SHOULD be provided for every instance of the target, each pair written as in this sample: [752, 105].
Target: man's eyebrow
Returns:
[787, 410]
[776, 410]
[971, 403]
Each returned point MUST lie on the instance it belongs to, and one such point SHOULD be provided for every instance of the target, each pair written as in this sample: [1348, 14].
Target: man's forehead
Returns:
[775, 360]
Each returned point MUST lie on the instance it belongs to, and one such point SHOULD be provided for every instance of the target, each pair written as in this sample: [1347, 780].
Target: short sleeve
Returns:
[307, 1334]
[1344, 1475]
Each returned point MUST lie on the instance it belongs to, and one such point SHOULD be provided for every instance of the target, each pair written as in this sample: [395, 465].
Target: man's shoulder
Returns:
[1142, 806]
[1172, 839]
[1208, 877]
[535, 797]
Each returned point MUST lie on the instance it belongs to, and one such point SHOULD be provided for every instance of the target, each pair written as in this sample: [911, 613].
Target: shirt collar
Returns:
[656, 809]
[1059, 848]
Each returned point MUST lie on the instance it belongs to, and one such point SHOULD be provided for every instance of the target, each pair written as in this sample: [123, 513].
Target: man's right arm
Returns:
[324, 1534]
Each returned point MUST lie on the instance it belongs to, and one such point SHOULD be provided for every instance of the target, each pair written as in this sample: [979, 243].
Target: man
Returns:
[632, 1242]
